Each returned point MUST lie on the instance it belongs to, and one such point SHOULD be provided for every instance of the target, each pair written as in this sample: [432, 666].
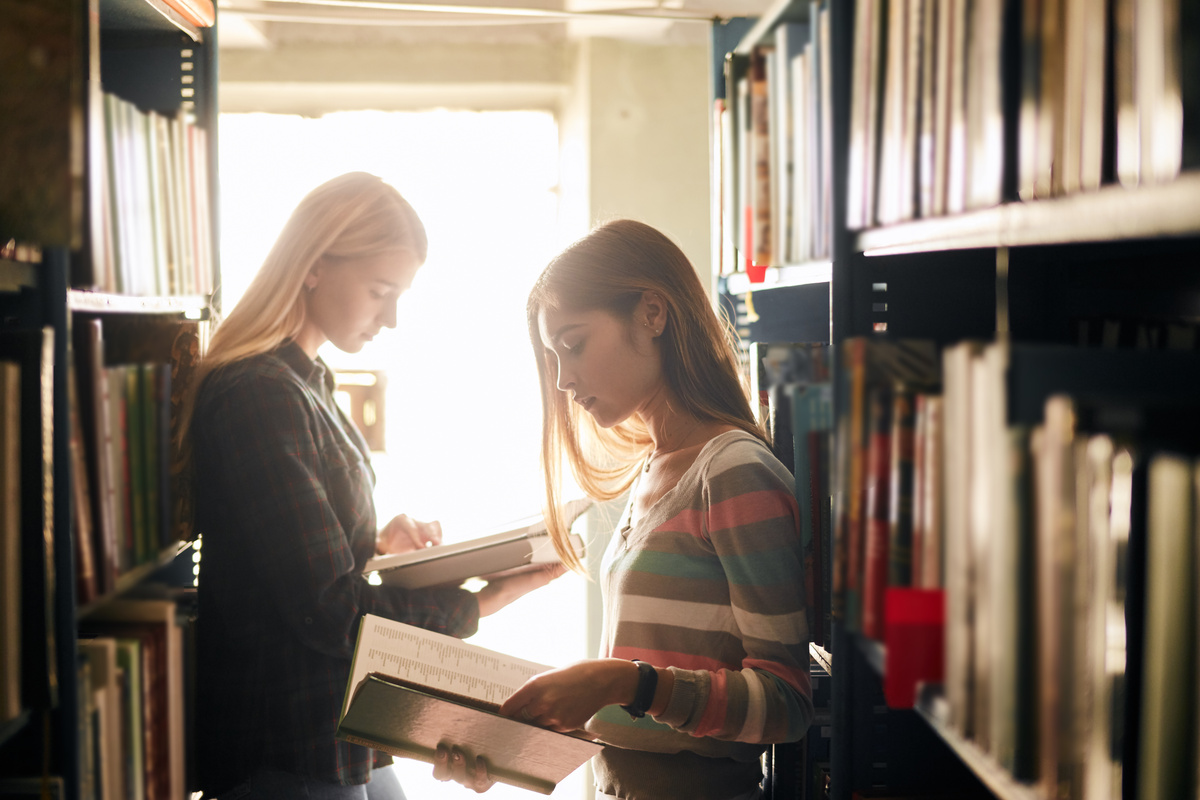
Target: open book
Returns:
[522, 545]
[411, 689]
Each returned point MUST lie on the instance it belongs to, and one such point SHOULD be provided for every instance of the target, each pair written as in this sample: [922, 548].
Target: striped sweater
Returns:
[709, 583]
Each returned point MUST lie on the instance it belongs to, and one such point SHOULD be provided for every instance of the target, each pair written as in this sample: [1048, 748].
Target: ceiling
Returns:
[266, 24]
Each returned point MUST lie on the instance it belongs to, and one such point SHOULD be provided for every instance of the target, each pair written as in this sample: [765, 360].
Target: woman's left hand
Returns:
[450, 764]
[405, 534]
[565, 699]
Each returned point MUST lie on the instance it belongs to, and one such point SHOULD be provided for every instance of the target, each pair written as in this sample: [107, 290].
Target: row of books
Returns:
[1051, 512]
[28, 664]
[886, 519]
[125, 512]
[10, 542]
[792, 384]
[774, 144]
[1049, 534]
[132, 674]
[151, 224]
[931, 133]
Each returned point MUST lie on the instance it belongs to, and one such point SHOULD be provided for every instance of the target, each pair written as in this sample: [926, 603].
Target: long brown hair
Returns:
[610, 269]
[352, 216]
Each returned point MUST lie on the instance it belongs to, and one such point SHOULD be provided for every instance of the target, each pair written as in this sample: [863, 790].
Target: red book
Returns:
[875, 568]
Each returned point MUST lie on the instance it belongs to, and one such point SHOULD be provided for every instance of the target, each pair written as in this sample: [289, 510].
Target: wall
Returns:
[648, 146]
[634, 115]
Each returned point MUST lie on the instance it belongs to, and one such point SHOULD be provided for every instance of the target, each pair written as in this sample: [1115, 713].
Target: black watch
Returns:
[644, 697]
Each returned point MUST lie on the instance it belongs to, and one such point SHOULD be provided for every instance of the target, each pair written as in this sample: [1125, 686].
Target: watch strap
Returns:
[644, 697]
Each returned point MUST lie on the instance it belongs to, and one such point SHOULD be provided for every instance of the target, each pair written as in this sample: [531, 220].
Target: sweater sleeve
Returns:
[750, 517]
[290, 502]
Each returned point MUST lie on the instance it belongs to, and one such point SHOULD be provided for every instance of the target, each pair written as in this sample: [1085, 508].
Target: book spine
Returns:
[875, 566]
[900, 502]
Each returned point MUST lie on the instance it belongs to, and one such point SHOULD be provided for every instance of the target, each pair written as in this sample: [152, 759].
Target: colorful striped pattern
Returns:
[710, 583]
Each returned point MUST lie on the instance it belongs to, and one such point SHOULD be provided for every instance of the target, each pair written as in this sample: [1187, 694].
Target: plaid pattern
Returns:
[284, 504]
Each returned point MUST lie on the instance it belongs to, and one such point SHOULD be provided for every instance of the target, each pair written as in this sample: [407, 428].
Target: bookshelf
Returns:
[1003, 208]
[108, 266]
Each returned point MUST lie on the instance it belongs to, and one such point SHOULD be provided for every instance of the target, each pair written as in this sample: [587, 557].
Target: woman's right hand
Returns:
[450, 764]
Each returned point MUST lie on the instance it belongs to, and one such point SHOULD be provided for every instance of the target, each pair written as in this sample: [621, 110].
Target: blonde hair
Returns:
[610, 269]
[353, 216]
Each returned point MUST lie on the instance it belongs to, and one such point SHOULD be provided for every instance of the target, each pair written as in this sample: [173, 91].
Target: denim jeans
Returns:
[267, 784]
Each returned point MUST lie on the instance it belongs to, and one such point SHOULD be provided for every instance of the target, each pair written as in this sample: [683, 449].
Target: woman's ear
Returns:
[652, 312]
[312, 278]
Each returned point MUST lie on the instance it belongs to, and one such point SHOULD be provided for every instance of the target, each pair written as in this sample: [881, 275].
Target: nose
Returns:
[388, 317]
[565, 381]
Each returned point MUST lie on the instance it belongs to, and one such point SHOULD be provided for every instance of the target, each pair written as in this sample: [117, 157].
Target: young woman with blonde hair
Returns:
[282, 496]
[705, 643]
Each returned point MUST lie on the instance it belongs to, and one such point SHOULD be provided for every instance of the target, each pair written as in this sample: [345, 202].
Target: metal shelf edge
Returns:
[17, 275]
[823, 657]
[780, 277]
[171, 18]
[136, 575]
[779, 11]
[1111, 213]
[997, 779]
[82, 300]
[10, 728]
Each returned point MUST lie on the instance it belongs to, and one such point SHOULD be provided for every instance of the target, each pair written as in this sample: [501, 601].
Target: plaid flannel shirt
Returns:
[284, 505]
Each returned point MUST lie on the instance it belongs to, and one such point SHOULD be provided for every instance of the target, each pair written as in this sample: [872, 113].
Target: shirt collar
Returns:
[315, 372]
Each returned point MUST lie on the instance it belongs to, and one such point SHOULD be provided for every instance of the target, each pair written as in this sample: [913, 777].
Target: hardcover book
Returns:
[524, 545]
[411, 689]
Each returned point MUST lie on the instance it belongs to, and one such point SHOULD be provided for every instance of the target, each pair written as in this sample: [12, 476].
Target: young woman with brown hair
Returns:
[704, 654]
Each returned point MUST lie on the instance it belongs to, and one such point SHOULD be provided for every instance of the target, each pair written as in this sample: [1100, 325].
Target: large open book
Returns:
[522, 545]
[411, 689]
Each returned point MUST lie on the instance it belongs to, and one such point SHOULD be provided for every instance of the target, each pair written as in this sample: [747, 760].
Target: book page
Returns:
[435, 660]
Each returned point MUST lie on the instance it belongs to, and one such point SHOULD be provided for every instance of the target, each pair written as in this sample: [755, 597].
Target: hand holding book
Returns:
[403, 534]
[450, 763]
[412, 691]
[522, 546]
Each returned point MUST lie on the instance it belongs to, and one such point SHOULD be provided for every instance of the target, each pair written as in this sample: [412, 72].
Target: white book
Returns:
[522, 545]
